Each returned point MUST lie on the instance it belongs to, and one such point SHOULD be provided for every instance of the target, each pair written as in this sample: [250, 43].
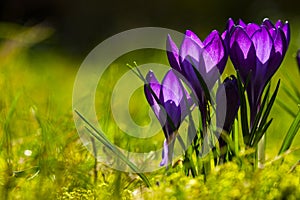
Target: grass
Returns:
[41, 155]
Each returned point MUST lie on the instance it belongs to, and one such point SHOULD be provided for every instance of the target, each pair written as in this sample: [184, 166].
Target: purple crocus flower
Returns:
[171, 103]
[208, 58]
[227, 104]
[258, 49]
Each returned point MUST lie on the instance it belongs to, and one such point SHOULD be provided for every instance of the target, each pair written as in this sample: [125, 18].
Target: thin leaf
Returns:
[260, 133]
[257, 119]
[224, 135]
[181, 142]
[296, 89]
[243, 107]
[102, 138]
[236, 138]
[269, 107]
[188, 162]
[281, 156]
[293, 85]
[290, 135]
[286, 108]
[290, 95]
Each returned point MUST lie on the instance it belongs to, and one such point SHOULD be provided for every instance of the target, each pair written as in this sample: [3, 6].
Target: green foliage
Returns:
[290, 135]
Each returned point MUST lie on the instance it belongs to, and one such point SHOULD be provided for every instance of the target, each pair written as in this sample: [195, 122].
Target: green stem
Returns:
[261, 147]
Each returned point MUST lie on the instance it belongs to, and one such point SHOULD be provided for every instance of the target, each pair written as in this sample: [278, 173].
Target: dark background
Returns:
[80, 25]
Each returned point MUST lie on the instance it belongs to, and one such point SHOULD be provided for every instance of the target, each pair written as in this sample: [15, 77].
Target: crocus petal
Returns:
[194, 37]
[173, 54]
[171, 88]
[165, 153]
[190, 53]
[251, 28]
[242, 52]
[286, 29]
[263, 44]
[171, 96]
[240, 38]
[174, 120]
[224, 35]
[155, 87]
[214, 51]
[230, 24]
[190, 47]
[279, 23]
[264, 51]
[287, 33]
[242, 23]
[280, 50]
[189, 66]
[280, 43]
[273, 33]
[270, 27]
[150, 77]
[268, 23]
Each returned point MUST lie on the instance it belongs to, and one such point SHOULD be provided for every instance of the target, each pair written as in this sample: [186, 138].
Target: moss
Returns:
[230, 181]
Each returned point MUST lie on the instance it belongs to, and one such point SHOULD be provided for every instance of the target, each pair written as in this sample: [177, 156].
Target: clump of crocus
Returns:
[257, 51]
[171, 103]
[194, 58]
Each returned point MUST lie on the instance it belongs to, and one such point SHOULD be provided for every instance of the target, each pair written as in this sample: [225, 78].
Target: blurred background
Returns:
[81, 25]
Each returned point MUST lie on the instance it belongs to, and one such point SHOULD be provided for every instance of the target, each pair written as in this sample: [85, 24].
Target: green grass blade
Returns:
[269, 107]
[260, 133]
[243, 107]
[236, 136]
[296, 89]
[257, 119]
[290, 95]
[263, 124]
[286, 108]
[293, 85]
[102, 138]
[224, 135]
[289, 137]
[6, 141]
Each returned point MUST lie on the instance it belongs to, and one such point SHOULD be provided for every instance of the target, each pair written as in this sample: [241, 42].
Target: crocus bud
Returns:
[228, 102]
[171, 103]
